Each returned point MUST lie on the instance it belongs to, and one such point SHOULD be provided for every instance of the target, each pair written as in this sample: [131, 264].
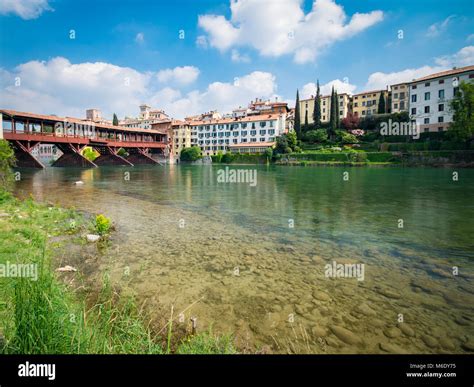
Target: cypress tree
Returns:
[332, 116]
[381, 109]
[317, 108]
[338, 118]
[305, 127]
[115, 120]
[297, 124]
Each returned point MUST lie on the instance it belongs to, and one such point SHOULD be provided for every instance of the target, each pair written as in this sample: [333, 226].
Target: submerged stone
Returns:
[345, 335]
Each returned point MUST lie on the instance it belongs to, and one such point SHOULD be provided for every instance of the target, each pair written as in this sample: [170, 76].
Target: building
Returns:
[95, 116]
[307, 108]
[399, 97]
[251, 147]
[367, 103]
[430, 97]
[180, 138]
[214, 136]
[146, 118]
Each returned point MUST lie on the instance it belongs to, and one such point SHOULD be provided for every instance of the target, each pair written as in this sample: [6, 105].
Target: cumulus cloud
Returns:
[252, 23]
[60, 87]
[380, 80]
[181, 75]
[26, 9]
[309, 89]
[223, 96]
[236, 56]
[464, 57]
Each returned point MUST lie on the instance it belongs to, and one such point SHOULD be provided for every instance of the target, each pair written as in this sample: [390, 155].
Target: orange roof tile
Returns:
[445, 73]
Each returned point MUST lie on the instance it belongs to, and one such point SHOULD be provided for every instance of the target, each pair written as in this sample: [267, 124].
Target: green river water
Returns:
[251, 260]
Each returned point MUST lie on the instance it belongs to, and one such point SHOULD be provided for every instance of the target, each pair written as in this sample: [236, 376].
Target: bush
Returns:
[316, 136]
[7, 161]
[190, 154]
[227, 158]
[102, 224]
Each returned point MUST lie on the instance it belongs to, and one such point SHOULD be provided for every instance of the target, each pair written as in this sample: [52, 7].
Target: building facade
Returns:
[146, 118]
[430, 98]
[214, 136]
[307, 108]
[399, 97]
[181, 137]
[367, 103]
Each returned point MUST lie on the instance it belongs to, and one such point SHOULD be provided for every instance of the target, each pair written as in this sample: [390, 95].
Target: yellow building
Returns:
[399, 97]
[367, 103]
[181, 137]
[307, 107]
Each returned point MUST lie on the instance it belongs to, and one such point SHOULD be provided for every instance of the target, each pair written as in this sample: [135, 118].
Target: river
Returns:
[251, 259]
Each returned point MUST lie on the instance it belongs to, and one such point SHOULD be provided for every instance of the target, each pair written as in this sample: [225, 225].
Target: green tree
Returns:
[462, 106]
[286, 143]
[332, 116]
[115, 120]
[305, 126]
[338, 118]
[381, 108]
[297, 121]
[7, 162]
[318, 135]
[90, 154]
[317, 108]
[190, 154]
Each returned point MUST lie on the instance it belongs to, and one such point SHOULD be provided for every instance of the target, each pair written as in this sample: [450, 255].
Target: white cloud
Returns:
[309, 89]
[253, 23]
[464, 57]
[223, 96]
[437, 29]
[26, 9]
[180, 75]
[140, 38]
[380, 80]
[201, 41]
[60, 87]
[237, 57]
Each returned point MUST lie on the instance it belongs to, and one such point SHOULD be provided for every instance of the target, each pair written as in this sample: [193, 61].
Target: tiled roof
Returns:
[260, 117]
[445, 73]
[16, 114]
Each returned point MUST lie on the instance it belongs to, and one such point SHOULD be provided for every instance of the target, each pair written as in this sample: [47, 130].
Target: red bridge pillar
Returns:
[24, 158]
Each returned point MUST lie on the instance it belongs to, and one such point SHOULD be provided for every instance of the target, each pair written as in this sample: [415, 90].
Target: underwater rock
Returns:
[345, 335]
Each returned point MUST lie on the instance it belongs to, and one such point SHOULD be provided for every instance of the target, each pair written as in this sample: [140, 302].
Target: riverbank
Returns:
[47, 304]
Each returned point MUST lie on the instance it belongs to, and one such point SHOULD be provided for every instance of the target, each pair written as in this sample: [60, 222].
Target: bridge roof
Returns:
[33, 116]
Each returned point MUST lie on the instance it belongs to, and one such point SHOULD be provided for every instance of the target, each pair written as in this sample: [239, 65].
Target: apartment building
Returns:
[399, 97]
[180, 138]
[430, 97]
[213, 136]
[307, 107]
[367, 103]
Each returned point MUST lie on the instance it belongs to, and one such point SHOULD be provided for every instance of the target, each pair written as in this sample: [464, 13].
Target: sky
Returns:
[188, 57]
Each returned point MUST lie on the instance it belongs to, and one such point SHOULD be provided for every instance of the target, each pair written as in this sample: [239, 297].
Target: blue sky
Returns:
[227, 55]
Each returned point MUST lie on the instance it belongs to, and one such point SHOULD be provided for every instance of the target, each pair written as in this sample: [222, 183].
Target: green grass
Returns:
[47, 317]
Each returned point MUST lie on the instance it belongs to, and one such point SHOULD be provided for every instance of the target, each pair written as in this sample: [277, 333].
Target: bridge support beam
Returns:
[72, 157]
[141, 157]
[24, 158]
[109, 156]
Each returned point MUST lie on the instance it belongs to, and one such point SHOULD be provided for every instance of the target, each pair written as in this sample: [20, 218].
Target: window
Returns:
[271, 131]
[244, 125]
[413, 98]
[263, 124]
[262, 132]
[441, 94]
[402, 95]
[440, 129]
[441, 81]
[395, 95]
[413, 87]
[235, 134]
[427, 96]
[427, 84]
[413, 111]
[440, 119]
[395, 105]
[253, 125]
[455, 91]
[427, 109]
[243, 133]
[426, 121]
[355, 104]
[271, 124]
[441, 107]
[402, 105]
[471, 76]
[253, 132]
[262, 139]
[253, 140]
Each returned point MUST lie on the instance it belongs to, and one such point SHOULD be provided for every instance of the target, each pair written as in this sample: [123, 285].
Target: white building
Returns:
[217, 135]
[430, 98]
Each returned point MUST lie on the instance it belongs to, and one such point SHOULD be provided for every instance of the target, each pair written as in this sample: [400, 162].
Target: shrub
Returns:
[7, 161]
[190, 154]
[316, 136]
[102, 224]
